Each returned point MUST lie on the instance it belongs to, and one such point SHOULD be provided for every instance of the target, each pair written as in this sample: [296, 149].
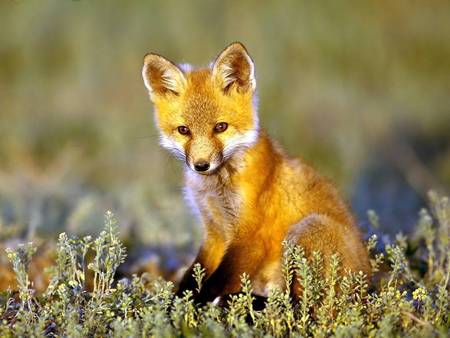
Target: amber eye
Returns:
[183, 130]
[221, 127]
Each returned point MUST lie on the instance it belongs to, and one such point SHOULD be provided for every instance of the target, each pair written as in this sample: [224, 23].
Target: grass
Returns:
[409, 295]
[339, 84]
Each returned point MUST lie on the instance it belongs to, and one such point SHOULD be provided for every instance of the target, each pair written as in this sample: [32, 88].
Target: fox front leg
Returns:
[226, 279]
[209, 257]
[187, 282]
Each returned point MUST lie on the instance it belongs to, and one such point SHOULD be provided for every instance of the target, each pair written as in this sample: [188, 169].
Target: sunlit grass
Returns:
[336, 81]
[409, 295]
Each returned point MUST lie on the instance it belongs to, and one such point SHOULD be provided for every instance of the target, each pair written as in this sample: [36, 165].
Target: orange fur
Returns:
[254, 196]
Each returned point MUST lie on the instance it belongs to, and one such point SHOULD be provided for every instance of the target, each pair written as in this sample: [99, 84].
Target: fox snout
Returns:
[204, 155]
[201, 166]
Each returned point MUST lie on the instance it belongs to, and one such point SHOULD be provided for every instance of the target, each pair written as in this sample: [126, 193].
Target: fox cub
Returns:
[249, 195]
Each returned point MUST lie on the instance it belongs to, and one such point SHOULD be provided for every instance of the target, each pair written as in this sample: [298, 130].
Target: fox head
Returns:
[205, 116]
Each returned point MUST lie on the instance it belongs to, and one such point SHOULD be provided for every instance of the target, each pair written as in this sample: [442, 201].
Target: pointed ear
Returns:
[234, 68]
[162, 76]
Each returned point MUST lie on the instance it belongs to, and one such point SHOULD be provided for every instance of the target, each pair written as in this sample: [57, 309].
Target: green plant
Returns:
[405, 301]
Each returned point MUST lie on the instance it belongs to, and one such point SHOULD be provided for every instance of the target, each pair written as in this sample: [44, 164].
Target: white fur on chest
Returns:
[214, 198]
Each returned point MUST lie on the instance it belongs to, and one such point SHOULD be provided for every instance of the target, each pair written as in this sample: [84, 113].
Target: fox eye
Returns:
[221, 127]
[183, 130]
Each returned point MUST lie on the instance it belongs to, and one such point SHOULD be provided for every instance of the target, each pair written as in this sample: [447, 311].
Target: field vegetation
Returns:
[408, 294]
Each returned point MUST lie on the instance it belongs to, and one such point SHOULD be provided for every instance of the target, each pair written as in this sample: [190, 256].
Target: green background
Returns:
[360, 89]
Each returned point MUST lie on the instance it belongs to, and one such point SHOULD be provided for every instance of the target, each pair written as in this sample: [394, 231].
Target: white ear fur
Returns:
[235, 66]
[161, 76]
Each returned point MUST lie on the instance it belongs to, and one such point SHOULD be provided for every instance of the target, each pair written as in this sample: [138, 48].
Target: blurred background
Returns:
[359, 89]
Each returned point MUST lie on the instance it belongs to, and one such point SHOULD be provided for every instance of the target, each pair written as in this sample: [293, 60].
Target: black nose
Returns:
[201, 166]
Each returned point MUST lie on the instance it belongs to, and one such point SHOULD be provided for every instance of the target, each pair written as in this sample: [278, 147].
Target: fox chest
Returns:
[216, 203]
[220, 207]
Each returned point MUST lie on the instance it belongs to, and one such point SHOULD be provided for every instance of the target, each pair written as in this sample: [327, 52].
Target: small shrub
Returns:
[403, 301]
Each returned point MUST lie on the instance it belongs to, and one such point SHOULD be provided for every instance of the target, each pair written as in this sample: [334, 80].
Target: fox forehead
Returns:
[203, 104]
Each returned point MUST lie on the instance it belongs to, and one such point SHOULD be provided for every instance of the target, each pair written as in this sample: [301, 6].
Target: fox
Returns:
[249, 195]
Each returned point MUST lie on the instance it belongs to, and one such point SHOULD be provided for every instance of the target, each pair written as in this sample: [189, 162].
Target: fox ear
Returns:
[234, 68]
[162, 76]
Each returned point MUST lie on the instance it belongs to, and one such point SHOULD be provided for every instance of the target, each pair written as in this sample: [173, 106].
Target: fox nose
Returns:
[201, 166]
